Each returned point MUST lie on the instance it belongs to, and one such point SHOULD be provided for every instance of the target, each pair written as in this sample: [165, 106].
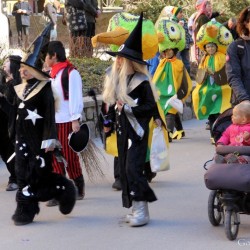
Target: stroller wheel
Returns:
[214, 208]
[231, 224]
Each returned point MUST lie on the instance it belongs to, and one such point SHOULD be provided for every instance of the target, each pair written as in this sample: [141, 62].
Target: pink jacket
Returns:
[233, 135]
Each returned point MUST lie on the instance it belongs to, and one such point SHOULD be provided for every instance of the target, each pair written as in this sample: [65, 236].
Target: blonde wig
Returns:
[116, 83]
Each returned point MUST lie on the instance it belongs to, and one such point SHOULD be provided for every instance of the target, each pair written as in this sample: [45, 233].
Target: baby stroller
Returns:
[230, 184]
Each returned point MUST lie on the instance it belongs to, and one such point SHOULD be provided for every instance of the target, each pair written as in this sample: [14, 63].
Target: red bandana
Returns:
[57, 67]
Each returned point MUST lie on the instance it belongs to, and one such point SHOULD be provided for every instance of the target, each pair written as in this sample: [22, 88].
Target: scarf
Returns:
[57, 67]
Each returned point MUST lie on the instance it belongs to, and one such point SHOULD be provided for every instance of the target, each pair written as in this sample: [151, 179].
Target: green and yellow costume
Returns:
[168, 76]
[209, 97]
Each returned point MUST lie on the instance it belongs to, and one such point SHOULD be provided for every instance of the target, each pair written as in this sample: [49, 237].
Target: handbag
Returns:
[159, 152]
[201, 76]
[111, 144]
[220, 77]
[175, 103]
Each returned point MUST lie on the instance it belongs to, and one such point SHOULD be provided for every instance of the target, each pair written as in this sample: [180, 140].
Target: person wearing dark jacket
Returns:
[91, 12]
[77, 24]
[11, 68]
[231, 26]
[21, 11]
[238, 61]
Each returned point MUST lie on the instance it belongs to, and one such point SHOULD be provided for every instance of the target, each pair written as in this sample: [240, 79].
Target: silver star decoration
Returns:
[24, 144]
[132, 193]
[32, 115]
[20, 148]
[25, 154]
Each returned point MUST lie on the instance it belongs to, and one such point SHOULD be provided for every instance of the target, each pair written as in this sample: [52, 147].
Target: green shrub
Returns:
[92, 71]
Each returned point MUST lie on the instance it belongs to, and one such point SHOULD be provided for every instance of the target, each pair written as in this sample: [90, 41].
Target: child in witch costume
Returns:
[35, 139]
[212, 94]
[129, 93]
[171, 77]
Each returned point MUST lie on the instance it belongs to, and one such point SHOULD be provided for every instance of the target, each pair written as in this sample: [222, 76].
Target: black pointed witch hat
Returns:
[132, 48]
[36, 53]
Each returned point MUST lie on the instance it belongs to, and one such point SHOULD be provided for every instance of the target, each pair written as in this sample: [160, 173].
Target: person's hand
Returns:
[106, 129]
[119, 105]
[19, 11]
[181, 22]
[98, 13]
[158, 122]
[75, 126]
[24, 11]
[49, 149]
[246, 135]
[222, 12]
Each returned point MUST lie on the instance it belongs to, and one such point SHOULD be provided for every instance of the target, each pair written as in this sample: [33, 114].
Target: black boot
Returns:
[25, 211]
[79, 182]
[66, 195]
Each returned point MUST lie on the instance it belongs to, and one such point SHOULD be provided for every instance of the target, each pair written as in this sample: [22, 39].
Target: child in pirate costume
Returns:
[129, 93]
[171, 77]
[212, 93]
[35, 139]
[69, 112]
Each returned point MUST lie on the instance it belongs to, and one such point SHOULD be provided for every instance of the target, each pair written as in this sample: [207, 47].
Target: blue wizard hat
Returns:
[36, 53]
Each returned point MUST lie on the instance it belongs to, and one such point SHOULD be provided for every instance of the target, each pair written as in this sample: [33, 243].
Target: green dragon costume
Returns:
[209, 97]
[169, 75]
[120, 26]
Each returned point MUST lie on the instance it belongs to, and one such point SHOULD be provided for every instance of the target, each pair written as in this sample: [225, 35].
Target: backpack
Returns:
[65, 81]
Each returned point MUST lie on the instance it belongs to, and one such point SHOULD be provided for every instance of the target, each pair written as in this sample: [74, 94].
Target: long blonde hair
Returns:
[115, 83]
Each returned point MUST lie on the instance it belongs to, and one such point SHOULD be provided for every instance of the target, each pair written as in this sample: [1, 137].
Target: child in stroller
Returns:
[228, 177]
[236, 134]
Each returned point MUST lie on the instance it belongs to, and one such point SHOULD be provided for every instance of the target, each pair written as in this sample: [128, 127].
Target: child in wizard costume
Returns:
[212, 93]
[171, 77]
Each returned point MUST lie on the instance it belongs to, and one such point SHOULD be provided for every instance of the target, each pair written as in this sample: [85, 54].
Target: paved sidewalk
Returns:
[178, 219]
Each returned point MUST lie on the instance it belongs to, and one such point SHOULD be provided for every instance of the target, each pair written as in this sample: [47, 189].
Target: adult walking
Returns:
[77, 24]
[91, 12]
[50, 12]
[238, 65]
[21, 11]
[231, 26]
[68, 91]
[129, 93]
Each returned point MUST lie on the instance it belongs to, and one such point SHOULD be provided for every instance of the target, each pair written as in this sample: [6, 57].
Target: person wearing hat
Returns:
[68, 113]
[11, 78]
[212, 94]
[132, 99]
[33, 112]
[184, 54]
[171, 77]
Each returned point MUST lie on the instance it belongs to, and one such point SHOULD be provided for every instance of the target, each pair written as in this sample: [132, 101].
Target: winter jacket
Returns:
[238, 70]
